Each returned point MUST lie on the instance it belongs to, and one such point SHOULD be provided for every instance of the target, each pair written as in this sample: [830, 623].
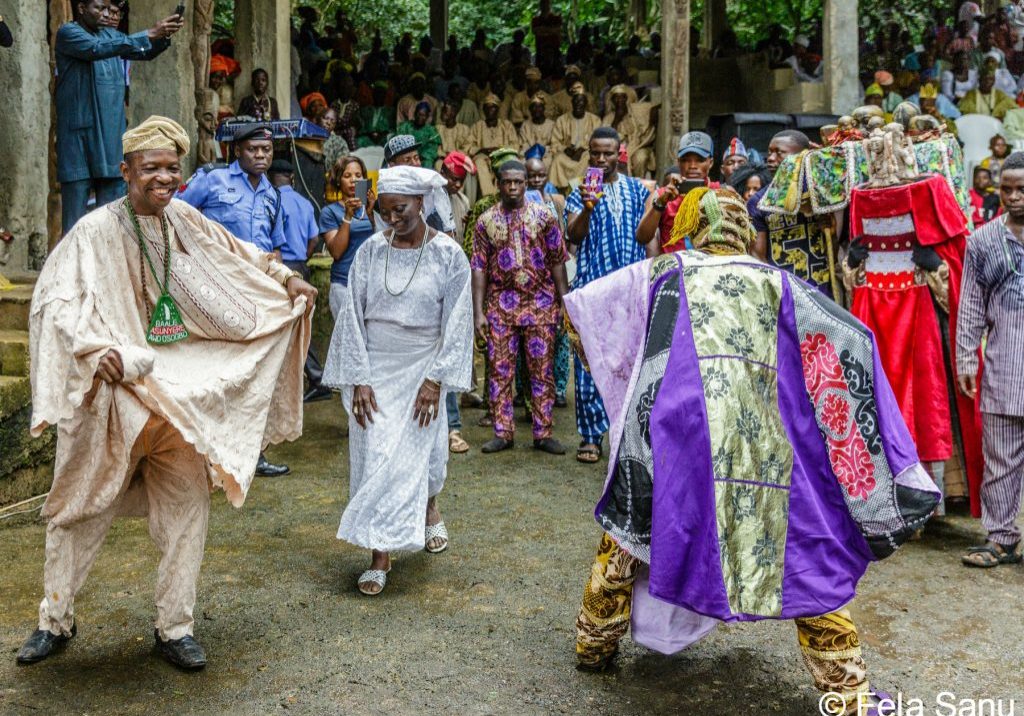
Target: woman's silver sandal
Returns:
[372, 576]
[438, 531]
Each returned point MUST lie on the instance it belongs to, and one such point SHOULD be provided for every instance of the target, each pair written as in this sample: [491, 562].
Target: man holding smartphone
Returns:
[89, 98]
[602, 222]
[695, 158]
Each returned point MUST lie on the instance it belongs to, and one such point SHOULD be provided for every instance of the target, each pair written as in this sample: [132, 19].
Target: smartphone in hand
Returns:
[180, 11]
[688, 185]
[362, 190]
[593, 179]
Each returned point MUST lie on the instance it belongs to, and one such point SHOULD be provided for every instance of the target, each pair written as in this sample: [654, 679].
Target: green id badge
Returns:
[166, 325]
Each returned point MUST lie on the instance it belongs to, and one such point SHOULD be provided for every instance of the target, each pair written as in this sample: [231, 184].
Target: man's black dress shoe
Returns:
[318, 393]
[42, 643]
[549, 445]
[269, 469]
[496, 445]
[185, 653]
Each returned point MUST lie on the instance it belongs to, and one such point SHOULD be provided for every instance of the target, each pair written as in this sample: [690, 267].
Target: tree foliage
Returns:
[614, 20]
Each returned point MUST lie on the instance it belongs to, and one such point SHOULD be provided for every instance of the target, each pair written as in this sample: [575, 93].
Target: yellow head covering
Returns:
[874, 90]
[716, 220]
[156, 133]
[929, 91]
[491, 99]
[618, 89]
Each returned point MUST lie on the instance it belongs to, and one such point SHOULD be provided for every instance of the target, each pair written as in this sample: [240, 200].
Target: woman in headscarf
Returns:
[312, 104]
[404, 341]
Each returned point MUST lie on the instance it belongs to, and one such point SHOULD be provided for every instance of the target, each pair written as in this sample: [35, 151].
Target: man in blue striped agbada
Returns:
[602, 224]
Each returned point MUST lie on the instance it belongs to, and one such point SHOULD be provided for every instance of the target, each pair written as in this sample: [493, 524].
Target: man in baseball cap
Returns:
[695, 156]
[402, 149]
[697, 143]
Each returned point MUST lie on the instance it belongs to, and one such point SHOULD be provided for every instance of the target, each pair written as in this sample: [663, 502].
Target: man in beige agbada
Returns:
[168, 353]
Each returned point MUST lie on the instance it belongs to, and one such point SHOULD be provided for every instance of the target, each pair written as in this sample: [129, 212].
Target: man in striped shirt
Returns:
[992, 300]
[602, 224]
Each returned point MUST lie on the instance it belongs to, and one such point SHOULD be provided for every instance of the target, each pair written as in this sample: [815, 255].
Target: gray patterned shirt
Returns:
[992, 300]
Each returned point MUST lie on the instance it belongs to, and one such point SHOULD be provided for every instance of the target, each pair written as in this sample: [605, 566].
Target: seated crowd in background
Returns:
[471, 99]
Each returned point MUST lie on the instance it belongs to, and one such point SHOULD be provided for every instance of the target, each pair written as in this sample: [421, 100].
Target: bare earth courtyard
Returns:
[485, 628]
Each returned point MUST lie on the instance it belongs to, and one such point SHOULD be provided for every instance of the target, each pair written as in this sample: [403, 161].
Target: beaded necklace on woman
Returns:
[419, 255]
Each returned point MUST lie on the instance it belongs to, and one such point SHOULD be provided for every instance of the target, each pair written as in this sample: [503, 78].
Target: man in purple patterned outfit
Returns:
[519, 279]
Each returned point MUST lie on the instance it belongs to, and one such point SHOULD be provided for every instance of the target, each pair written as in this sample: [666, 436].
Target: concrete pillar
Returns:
[439, 23]
[166, 84]
[842, 82]
[675, 77]
[24, 137]
[263, 39]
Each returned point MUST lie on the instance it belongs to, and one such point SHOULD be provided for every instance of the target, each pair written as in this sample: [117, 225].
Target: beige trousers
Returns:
[169, 484]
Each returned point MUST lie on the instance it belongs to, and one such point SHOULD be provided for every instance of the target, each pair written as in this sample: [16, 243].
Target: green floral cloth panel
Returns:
[752, 460]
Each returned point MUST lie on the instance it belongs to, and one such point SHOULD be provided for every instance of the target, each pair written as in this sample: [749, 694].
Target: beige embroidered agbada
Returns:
[231, 388]
[531, 133]
[635, 137]
[481, 137]
[453, 139]
[570, 132]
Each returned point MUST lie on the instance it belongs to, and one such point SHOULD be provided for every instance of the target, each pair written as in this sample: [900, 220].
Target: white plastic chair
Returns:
[975, 131]
[373, 157]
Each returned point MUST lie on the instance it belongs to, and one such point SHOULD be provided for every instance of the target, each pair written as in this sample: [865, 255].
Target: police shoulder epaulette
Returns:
[202, 171]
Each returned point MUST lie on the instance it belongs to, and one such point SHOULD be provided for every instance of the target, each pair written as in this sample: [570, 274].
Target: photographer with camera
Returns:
[695, 158]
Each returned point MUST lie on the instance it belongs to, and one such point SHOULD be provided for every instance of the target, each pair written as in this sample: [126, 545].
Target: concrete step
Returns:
[14, 307]
[13, 353]
[15, 394]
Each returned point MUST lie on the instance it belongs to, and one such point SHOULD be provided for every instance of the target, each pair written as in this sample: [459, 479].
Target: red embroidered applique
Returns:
[847, 451]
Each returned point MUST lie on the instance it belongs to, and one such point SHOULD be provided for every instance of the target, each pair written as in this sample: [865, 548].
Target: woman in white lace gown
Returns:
[404, 341]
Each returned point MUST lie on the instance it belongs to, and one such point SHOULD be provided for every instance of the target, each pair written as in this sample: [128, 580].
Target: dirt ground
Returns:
[485, 628]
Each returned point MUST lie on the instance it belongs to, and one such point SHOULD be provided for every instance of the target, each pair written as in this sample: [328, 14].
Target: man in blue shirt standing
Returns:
[301, 235]
[241, 198]
[300, 228]
[89, 100]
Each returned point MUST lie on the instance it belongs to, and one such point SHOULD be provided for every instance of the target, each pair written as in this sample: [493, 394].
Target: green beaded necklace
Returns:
[165, 324]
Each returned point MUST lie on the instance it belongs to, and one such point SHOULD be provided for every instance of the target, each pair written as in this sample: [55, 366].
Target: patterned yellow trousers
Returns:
[830, 644]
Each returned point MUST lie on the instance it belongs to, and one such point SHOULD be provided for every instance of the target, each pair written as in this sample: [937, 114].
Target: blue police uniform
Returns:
[299, 225]
[226, 196]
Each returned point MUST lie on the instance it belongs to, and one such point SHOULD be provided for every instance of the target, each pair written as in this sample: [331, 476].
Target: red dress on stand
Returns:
[892, 222]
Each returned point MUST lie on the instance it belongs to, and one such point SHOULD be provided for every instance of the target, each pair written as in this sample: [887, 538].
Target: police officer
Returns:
[241, 198]
[301, 235]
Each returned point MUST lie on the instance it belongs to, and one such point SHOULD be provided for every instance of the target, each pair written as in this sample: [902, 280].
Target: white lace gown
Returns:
[393, 343]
